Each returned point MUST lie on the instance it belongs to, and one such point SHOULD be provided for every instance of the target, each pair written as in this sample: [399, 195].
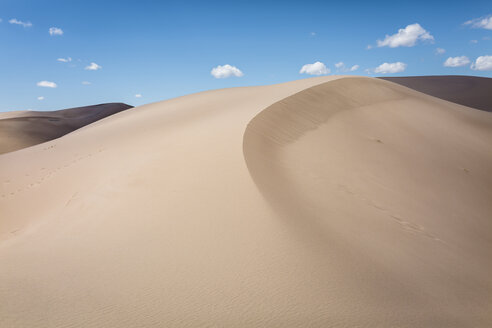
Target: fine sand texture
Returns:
[23, 129]
[326, 202]
[471, 91]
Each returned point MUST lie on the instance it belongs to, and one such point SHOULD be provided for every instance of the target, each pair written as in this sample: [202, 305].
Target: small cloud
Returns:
[138, 95]
[486, 38]
[369, 47]
[18, 22]
[390, 68]
[65, 60]
[225, 71]
[482, 22]
[317, 68]
[41, 98]
[312, 34]
[46, 84]
[341, 67]
[354, 68]
[482, 63]
[456, 61]
[55, 31]
[473, 41]
[86, 83]
[93, 67]
[440, 51]
[406, 37]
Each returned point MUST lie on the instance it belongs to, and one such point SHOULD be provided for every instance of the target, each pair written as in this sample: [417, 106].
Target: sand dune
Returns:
[325, 202]
[471, 91]
[26, 128]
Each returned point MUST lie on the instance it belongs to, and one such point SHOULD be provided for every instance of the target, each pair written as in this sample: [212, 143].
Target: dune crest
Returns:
[388, 189]
[325, 202]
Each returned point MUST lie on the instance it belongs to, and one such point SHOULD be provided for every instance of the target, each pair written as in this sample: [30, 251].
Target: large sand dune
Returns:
[22, 129]
[325, 202]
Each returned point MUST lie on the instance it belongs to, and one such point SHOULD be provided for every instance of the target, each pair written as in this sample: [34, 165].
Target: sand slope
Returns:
[472, 91]
[326, 202]
[26, 128]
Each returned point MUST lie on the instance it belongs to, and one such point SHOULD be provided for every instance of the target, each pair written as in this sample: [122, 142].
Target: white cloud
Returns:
[457, 61]
[41, 98]
[65, 60]
[224, 71]
[482, 22]
[18, 22]
[354, 68]
[341, 67]
[473, 41]
[312, 34]
[482, 63]
[56, 31]
[440, 51]
[390, 68]
[93, 67]
[406, 37]
[86, 83]
[317, 68]
[46, 84]
[138, 95]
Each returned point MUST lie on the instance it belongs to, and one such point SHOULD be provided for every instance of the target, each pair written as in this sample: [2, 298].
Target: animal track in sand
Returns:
[39, 180]
[49, 147]
[71, 199]
[374, 139]
[406, 225]
[414, 228]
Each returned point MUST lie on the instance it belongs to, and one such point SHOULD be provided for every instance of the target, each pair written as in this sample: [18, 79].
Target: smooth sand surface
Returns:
[21, 129]
[325, 202]
[471, 91]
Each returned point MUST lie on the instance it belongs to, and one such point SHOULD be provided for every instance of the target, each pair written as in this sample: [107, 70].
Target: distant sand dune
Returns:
[326, 202]
[26, 128]
[471, 91]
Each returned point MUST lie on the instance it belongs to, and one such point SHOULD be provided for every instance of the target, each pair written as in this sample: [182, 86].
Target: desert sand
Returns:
[472, 91]
[21, 129]
[326, 202]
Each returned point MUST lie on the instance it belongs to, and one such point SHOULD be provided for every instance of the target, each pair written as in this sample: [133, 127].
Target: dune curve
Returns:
[290, 205]
[148, 218]
[389, 189]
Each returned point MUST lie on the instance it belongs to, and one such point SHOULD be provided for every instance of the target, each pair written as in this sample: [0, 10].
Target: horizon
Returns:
[62, 55]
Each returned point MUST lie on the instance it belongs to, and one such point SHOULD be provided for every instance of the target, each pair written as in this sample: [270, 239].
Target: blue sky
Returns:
[161, 50]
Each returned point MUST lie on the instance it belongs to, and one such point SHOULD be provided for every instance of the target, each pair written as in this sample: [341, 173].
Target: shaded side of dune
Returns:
[366, 174]
[31, 128]
[471, 91]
